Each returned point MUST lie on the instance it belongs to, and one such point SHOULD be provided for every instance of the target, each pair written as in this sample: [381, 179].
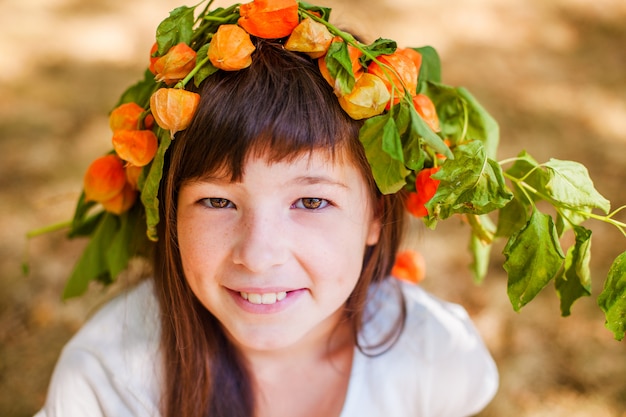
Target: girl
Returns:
[272, 293]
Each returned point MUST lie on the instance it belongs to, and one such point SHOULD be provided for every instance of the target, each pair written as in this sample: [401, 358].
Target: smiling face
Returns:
[275, 256]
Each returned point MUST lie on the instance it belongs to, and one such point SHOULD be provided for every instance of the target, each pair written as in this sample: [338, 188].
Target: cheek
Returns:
[342, 261]
[186, 241]
[193, 247]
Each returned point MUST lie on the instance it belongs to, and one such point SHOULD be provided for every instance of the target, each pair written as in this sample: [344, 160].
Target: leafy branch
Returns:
[474, 185]
[533, 251]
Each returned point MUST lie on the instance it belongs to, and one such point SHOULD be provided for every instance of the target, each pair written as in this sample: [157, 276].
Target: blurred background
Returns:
[553, 73]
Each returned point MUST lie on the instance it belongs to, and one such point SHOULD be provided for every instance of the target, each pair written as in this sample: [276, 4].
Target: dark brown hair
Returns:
[280, 107]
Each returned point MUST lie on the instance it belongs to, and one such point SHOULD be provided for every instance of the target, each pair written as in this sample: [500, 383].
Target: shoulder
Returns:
[429, 322]
[439, 365]
[111, 365]
[131, 317]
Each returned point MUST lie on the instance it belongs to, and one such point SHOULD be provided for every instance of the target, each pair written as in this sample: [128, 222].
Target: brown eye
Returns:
[310, 203]
[218, 203]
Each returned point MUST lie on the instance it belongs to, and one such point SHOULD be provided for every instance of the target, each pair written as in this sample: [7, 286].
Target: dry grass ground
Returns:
[553, 73]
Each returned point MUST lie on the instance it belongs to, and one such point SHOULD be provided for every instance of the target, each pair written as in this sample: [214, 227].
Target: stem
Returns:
[509, 160]
[194, 71]
[218, 18]
[479, 229]
[209, 19]
[350, 40]
[621, 226]
[48, 229]
[525, 188]
[617, 210]
[465, 121]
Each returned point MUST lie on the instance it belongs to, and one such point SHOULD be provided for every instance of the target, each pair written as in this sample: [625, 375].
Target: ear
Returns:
[373, 231]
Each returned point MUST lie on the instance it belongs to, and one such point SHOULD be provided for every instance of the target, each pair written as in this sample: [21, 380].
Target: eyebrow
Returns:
[314, 180]
[301, 180]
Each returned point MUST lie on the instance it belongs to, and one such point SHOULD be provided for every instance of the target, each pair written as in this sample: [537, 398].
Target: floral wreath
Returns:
[434, 140]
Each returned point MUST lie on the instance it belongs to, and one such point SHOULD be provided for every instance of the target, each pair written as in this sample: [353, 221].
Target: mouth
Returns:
[265, 298]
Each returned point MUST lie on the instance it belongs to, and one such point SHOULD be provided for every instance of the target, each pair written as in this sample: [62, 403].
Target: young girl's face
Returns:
[275, 256]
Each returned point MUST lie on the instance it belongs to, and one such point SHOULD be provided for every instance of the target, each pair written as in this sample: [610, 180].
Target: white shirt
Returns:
[439, 366]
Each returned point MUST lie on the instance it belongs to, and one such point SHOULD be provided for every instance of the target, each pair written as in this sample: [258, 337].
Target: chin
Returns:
[267, 342]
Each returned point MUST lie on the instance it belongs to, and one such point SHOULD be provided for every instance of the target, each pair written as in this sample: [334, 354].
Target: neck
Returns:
[310, 379]
[324, 344]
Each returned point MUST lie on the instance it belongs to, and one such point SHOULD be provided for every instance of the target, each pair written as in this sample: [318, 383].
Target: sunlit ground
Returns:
[553, 74]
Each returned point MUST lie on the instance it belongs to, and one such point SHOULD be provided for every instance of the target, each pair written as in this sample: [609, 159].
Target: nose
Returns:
[261, 242]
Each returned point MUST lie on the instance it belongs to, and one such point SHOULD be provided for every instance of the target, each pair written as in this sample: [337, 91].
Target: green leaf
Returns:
[207, 68]
[533, 258]
[323, 11]
[470, 183]
[86, 227]
[80, 214]
[480, 244]
[430, 70]
[612, 300]
[567, 218]
[570, 185]
[420, 128]
[482, 126]
[176, 28]
[480, 252]
[524, 163]
[414, 154]
[575, 281]
[462, 117]
[512, 217]
[140, 92]
[529, 171]
[93, 262]
[127, 242]
[389, 173]
[379, 47]
[143, 176]
[340, 66]
[391, 140]
[150, 190]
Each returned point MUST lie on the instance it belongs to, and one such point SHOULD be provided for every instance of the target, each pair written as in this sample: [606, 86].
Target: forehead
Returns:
[318, 159]
[318, 165]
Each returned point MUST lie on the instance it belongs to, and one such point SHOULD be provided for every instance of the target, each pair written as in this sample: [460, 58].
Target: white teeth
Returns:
[255, 298]
[267, 298]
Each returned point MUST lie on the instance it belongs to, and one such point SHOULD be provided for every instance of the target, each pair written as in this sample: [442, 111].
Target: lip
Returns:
[279, 306]
[264, 290]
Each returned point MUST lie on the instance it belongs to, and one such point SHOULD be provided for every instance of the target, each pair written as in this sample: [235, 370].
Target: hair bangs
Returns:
[284, 108]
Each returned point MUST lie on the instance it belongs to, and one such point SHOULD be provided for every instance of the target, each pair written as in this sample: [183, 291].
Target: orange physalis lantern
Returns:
[269, 19]
[132, 175]
[402, 73]
[104, 178]
[174, 108]
[231, 48]
[175, 64]
[426, 108]
[122, 201]
[357, 68]
[425, 187]
[413, 55]
[311, 38]
[137, 147]
[409, 266]
[126, 117]
[368, 98]
[153, 59]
